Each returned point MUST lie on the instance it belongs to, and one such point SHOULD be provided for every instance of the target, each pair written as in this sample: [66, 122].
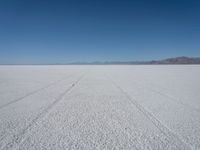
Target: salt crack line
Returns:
[33, 92]
[162, 128]
[21, 136]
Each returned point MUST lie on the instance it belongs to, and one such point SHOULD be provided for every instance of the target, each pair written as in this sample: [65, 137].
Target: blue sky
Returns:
[62, 31]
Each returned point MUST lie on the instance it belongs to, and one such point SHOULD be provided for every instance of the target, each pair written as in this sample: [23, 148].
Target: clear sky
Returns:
[62, 31]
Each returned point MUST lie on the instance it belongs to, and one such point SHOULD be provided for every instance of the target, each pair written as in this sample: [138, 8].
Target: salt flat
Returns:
[100, 107]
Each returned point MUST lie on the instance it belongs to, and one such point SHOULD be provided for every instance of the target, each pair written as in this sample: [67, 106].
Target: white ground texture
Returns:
[100, 107]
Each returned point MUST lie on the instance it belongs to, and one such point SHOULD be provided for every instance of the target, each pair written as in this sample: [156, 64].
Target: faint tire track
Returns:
[33, 92]
[174, 98]
[162, 128]
[20, 137]
[171, 98]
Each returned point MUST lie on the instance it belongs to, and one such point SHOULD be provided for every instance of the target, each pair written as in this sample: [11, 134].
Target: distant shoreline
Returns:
[169, 61]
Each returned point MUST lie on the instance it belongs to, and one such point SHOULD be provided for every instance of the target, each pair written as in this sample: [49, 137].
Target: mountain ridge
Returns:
[168, 61]
[174, 60]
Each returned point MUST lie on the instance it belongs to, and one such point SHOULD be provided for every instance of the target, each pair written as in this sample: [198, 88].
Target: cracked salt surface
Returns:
[100, 107]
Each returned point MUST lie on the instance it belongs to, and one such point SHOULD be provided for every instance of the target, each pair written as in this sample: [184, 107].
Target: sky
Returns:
[63, 31]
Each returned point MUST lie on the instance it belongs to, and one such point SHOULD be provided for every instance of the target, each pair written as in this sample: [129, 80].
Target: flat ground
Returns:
[100, 107]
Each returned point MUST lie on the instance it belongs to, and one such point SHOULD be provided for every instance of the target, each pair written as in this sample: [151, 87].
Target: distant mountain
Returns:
[176, 60]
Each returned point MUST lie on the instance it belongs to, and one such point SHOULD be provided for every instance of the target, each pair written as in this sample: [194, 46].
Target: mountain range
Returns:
[176, 60]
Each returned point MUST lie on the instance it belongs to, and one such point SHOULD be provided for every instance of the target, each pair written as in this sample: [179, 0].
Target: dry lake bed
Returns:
[100, 107]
